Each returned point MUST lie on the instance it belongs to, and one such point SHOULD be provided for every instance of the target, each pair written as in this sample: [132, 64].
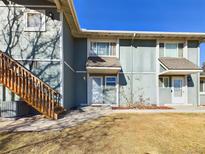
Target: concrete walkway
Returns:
[38, 123]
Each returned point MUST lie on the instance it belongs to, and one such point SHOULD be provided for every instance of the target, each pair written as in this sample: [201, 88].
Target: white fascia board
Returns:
[180, 71]
[145, 32]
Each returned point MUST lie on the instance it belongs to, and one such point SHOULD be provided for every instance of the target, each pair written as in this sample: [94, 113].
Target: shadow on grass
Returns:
[89, 132]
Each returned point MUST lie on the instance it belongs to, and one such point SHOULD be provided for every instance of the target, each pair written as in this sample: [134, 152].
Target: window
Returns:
[202, 86]
[110, 81]
[171, 49]
[35, 20]
[103, 49]
[164, 82]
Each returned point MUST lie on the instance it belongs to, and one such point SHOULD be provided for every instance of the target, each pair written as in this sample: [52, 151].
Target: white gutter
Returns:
[145, 32]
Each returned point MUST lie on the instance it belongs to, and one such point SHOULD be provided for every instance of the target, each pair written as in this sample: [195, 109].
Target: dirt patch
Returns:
[117, 133]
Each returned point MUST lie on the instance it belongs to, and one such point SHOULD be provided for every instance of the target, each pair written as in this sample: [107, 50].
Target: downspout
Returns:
[131, 82]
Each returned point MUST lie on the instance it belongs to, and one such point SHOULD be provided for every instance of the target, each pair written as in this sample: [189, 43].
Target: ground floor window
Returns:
[164, 82]
[102, 89]
[202, 85]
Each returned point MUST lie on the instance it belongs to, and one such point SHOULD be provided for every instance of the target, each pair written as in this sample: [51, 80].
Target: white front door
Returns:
[96, 90]
[178, 90]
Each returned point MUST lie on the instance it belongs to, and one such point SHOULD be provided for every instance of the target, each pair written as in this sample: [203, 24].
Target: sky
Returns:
[143, 15]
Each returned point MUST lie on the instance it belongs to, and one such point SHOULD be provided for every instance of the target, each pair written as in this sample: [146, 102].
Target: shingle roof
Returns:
[178, 64]
[103, 62]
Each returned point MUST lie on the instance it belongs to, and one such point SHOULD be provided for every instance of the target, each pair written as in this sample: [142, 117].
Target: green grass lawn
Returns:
[117, 133]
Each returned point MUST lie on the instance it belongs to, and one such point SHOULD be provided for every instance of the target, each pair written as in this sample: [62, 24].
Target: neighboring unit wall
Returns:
[193, 80]
[38, 51]
[137, 80]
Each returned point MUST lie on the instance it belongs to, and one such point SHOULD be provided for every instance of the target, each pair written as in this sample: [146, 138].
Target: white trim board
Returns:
[172, 72]
[42, 27]
[40, 60]
[157, 72]
[103, 68]
[31, 6]
[62, 58]
[137, 73]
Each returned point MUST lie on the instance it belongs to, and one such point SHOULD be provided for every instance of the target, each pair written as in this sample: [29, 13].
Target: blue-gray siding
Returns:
[137, 80]
[193, 83]
[80, 67]
[37, 51]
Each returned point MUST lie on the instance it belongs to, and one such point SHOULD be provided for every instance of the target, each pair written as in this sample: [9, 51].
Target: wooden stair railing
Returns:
[30, 88]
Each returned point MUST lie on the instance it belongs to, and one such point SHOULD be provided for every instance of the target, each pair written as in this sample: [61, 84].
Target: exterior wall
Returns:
[193, 80]
[41, 53]
[137, 81]
[68, 68]
[37, 51]
[165, 96]
[81, 75]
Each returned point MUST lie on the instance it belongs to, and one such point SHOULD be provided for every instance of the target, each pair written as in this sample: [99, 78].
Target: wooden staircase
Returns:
[30, 88]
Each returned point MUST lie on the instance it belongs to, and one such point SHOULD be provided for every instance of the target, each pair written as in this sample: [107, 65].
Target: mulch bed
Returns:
[143, 107]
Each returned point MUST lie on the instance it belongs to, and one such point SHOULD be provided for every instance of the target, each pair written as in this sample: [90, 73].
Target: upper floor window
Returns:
[171, 50]
[35, 20]
[102, 48]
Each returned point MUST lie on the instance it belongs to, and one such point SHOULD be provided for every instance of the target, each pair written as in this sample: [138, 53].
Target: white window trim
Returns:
[110, 77]
[165, 49]
[174, 42]
[103, 41]
[163, 78]
[35, 29]
[202, 92]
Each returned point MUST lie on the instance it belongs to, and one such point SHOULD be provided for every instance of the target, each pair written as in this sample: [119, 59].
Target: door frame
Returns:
[90, 88]
[184, 90]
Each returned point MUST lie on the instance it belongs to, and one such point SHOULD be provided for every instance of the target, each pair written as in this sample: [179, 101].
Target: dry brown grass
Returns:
[118, 133]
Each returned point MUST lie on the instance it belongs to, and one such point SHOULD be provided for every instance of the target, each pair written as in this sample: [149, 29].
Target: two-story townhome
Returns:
[93, 67]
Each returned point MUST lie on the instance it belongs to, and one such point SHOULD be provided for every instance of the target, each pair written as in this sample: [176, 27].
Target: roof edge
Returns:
[124, 33]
